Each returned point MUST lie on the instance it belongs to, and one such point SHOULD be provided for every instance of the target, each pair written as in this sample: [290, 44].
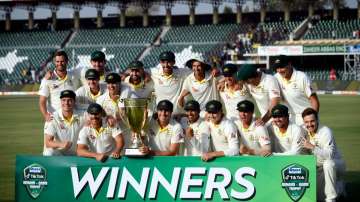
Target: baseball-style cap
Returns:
[167, 55]
[192, 105]
[200, 59]
[94, 108]
[245, 106]
[135, 65]
[229, 70]
[280, 61]
[113, 78]
[246, 71]
[165, 105]
[279, 111]
[213, 106]
[92, 74]
[97, 56]
[67, 93]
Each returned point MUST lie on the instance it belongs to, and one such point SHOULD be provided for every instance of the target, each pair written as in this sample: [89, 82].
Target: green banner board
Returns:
[324, 49]
[245, 178]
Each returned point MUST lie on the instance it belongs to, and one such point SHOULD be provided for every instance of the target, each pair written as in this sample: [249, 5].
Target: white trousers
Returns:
[330, 182]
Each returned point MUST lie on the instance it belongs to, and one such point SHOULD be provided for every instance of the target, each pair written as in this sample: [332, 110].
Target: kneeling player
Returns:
[98, 140]
[223, 132]
[330, 165]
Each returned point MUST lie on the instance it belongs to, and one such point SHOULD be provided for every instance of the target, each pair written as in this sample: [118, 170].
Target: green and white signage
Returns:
[276, 178]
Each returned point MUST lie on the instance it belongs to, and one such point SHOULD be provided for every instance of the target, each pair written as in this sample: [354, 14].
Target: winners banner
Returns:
[244, 178]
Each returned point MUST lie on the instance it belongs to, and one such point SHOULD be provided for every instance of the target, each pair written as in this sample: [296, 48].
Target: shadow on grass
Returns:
[352, 179]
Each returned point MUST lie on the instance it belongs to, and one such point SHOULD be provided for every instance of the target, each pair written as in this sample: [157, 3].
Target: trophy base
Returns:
[134, 152]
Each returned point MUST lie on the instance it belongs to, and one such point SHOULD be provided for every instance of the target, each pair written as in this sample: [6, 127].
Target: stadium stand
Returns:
[31, 39]
[333, 29]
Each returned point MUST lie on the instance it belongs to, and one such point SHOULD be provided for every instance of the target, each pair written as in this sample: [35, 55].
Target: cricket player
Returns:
[223, 132]
[50, 88]
[89, 93]
[263, 88]
[201, 84]
[136, 86]
[98, 62]
[197, 131]
[61, 133]
[254, 140]
[296, 88]
[110, 101]
[168, 80]
[330, 165]
[285, 136]
[233, 92]
[165, 135]
[98, 140]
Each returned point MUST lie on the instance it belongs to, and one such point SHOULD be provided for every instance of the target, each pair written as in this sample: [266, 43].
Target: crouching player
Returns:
[99, 140]
[330, 165]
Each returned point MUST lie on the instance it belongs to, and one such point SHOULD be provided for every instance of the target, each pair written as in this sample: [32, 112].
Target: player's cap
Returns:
[200, 59]
[165, 105]
[279, 111]
[94, 108]
[280, 61]
[97, 56]
[113, 78]
[245, 106]
[167, 55]
[67, 93]
[92, 74]
[135, 65]
[229, 70]
[213, 106]
[192, 105]
[246, 72]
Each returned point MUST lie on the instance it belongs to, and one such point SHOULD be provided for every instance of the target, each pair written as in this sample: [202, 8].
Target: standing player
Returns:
[98, 62]
[263, 88]
[330, 165]
[110, 101]
[165, 134]
[233, 92]
[99, 140]
[89, 93]
[52, 86]
[62, 131]
[201, 85]
[223, 132]
[255, 140]
[196, 141]
[296, 88]
[168, 80]
[285, 136]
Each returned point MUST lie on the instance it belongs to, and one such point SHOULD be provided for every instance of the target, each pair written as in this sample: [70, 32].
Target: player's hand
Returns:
[244, 149]
[101, 157]
[66, 145]
[144, 149]
[306, 143]
[48, 117]
[48, 75]
[147, 77]
[259, 122]
[181, 101]
[111, 121]
[221, 85]
[215, 72]
[189, 132]
[265, 153]
[207, 156]
[115, 155]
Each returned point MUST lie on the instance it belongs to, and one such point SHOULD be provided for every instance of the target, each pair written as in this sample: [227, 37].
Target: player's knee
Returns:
[329, 165]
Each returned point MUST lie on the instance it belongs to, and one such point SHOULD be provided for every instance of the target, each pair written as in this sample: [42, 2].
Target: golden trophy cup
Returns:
[135, 117]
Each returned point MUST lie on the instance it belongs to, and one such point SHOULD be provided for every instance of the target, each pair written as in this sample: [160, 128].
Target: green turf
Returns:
[21, 133]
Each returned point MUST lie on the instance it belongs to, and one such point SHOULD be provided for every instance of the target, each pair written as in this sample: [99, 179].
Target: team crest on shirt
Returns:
[152, 133]
[92, 137]
[54, 86]
[62, 126]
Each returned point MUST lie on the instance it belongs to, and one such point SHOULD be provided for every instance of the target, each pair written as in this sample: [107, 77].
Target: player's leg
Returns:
[330, 176]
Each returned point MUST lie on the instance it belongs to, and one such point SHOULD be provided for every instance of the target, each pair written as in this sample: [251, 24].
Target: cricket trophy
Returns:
[135, 118]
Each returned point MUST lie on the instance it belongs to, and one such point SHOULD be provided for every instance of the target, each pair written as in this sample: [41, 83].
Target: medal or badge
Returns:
[35, 179]
[295, 180]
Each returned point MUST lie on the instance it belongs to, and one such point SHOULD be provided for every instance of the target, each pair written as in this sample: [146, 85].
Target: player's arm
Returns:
[43, 109]
[211, 155]
[173, 150]
[314, 101]
[50, 142]
[181, 100]
[83, 151]
[119, 144]
[273, 102]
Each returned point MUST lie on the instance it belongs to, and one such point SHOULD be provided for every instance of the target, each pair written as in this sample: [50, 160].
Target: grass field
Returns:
[21, 133]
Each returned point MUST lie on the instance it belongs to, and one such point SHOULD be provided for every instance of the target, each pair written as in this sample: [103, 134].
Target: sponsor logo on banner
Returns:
[280, 50]
[295, 180]
[35, 179]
